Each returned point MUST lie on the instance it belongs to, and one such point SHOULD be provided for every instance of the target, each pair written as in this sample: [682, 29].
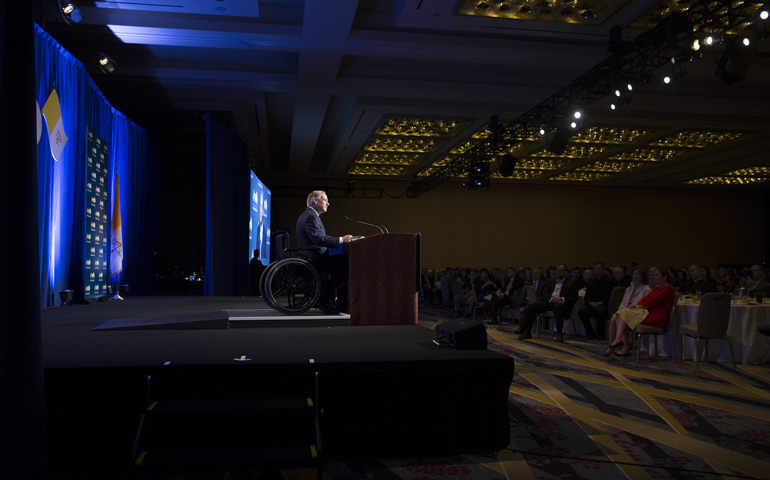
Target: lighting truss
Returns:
[632, 65]
[331, 192]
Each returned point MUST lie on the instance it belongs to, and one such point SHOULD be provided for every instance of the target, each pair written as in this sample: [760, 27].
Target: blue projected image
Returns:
[259, 220]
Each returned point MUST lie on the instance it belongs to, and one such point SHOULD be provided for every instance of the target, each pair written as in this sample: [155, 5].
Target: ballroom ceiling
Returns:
[393, 90]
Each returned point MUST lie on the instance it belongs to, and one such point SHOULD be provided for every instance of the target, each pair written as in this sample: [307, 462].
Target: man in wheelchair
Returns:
[314, 244]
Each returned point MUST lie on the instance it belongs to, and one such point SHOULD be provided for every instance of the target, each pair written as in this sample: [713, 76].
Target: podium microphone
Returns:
[381, 227]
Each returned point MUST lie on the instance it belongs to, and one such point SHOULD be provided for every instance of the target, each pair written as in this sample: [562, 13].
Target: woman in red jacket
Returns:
[652, 310]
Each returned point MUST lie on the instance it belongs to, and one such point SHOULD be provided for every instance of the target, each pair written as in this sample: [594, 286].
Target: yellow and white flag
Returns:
[56, 135]
[116, 254]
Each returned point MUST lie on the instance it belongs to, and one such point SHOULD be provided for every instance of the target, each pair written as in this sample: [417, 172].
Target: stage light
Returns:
[612, 106]
[106, 64]
[666, 79]
[573, 124]
[763, 14]
[617, 92]
[746, 41]
[696, 45]
[709, 40]
[629, 87]
[542, 131]
[621, 103]
[69, 11]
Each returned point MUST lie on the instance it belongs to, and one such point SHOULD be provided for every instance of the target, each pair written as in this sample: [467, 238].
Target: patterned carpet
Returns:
[576, 414]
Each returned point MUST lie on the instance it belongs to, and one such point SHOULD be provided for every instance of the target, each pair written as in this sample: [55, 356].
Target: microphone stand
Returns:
[381, 227]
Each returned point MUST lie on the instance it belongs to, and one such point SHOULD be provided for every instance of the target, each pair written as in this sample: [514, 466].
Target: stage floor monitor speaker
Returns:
[463, 334]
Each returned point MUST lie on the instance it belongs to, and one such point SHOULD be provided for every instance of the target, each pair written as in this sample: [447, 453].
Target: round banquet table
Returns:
[749, 345]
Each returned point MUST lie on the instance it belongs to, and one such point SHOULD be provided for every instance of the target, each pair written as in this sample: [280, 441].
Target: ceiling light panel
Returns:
[727, 181]
[649, 154]
[405, 145]
[522, 174]
[358, 169]
[582, 176]
[695, 139]
[612, 136]
[666, 8]
[385, 158]
[419, 127]
[611, 167]
[587, 12]
[573, 151]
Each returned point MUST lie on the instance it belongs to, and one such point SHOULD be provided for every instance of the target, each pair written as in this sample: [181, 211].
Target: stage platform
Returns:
[385, 391]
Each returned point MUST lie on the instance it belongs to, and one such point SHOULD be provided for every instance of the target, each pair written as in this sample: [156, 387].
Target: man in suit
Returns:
[621, 277]
[311, 232]
[596, 299]
[540, 284]
[559, 296]
[757, 283]
[697, 282]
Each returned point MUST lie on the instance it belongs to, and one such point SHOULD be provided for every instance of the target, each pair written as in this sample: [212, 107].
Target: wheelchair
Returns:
[291, 284]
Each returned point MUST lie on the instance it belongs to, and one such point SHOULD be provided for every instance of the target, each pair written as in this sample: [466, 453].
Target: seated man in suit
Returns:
[506, 295]
[757, 283]
[621, 277]
[697, 282]
[311, 232]
[559, 296]
[540, 285]
[596, 299]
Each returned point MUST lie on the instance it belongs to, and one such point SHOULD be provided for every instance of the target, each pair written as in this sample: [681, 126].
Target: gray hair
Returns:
[314, 195]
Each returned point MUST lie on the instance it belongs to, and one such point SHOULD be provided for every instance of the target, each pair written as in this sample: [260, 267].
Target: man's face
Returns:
[510, 273]
[757, 273]
[575, 273]
[598, 270]
[495, 272]
[321, 204]
[694, 273]
[561, 272]
[474, 274]
[536, 275]
[588, 274]
[617, 272]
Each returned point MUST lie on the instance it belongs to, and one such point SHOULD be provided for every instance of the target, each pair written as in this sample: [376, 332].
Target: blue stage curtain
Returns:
[61, 184]
[227, 212]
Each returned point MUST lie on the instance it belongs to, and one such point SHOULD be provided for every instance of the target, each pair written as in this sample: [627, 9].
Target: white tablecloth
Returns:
[749, 345]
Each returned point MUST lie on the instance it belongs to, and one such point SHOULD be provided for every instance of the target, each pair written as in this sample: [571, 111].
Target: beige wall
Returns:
[515, 224]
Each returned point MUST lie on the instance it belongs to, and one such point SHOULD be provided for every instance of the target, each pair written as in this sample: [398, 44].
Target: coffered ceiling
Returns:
[392, 90]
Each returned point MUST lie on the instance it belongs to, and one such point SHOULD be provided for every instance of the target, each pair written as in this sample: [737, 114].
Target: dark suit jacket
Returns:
[703, 285]
[569, 290]
[762, 287]
[311, 231]
[542, 285]
[600, 289]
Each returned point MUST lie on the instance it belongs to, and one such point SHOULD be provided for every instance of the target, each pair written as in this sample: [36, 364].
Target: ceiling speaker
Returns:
[560, 140]
[507, 164]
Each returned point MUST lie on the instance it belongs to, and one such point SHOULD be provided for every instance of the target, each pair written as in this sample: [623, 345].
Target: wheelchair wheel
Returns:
[292, 286]
[262, 290]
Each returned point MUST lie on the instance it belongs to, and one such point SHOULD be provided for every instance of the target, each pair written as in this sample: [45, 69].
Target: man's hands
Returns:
[347, 238]
[596, 304]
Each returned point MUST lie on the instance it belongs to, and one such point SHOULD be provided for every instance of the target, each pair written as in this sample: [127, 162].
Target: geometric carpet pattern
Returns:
[576, 414]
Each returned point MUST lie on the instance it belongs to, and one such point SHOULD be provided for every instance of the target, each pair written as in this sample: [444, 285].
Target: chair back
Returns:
[281, 244]
[615, 299]
[671, 312]
[457, 288]
[531, 294]
[713, 315]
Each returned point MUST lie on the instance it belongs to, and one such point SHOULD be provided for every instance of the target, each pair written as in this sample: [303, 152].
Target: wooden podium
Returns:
[384, 279]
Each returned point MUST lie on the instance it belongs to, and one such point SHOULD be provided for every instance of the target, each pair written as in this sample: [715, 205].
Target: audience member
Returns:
[635, 292]
[428, 287]
[596, 299]
[576, 273]
[757, 283]
[697, 282]
[539, 284]
[652, 310]
[559, 296]
[621, 277]
[551, 272]
[507, 295]
[586, 275]
[468, 297]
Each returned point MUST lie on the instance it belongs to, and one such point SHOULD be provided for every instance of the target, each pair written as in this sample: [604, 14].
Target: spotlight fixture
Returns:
[542, 131]
[763, 14]
[69, 11]
[577, 114]
[696, 45]
[629, 87]
[666, 79]
[746, 41]
[620, 103]
[617, 92]
[106, 64]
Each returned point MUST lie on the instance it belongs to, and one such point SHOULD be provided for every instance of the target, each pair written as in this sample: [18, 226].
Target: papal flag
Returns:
[56, 134]
[116, 254]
